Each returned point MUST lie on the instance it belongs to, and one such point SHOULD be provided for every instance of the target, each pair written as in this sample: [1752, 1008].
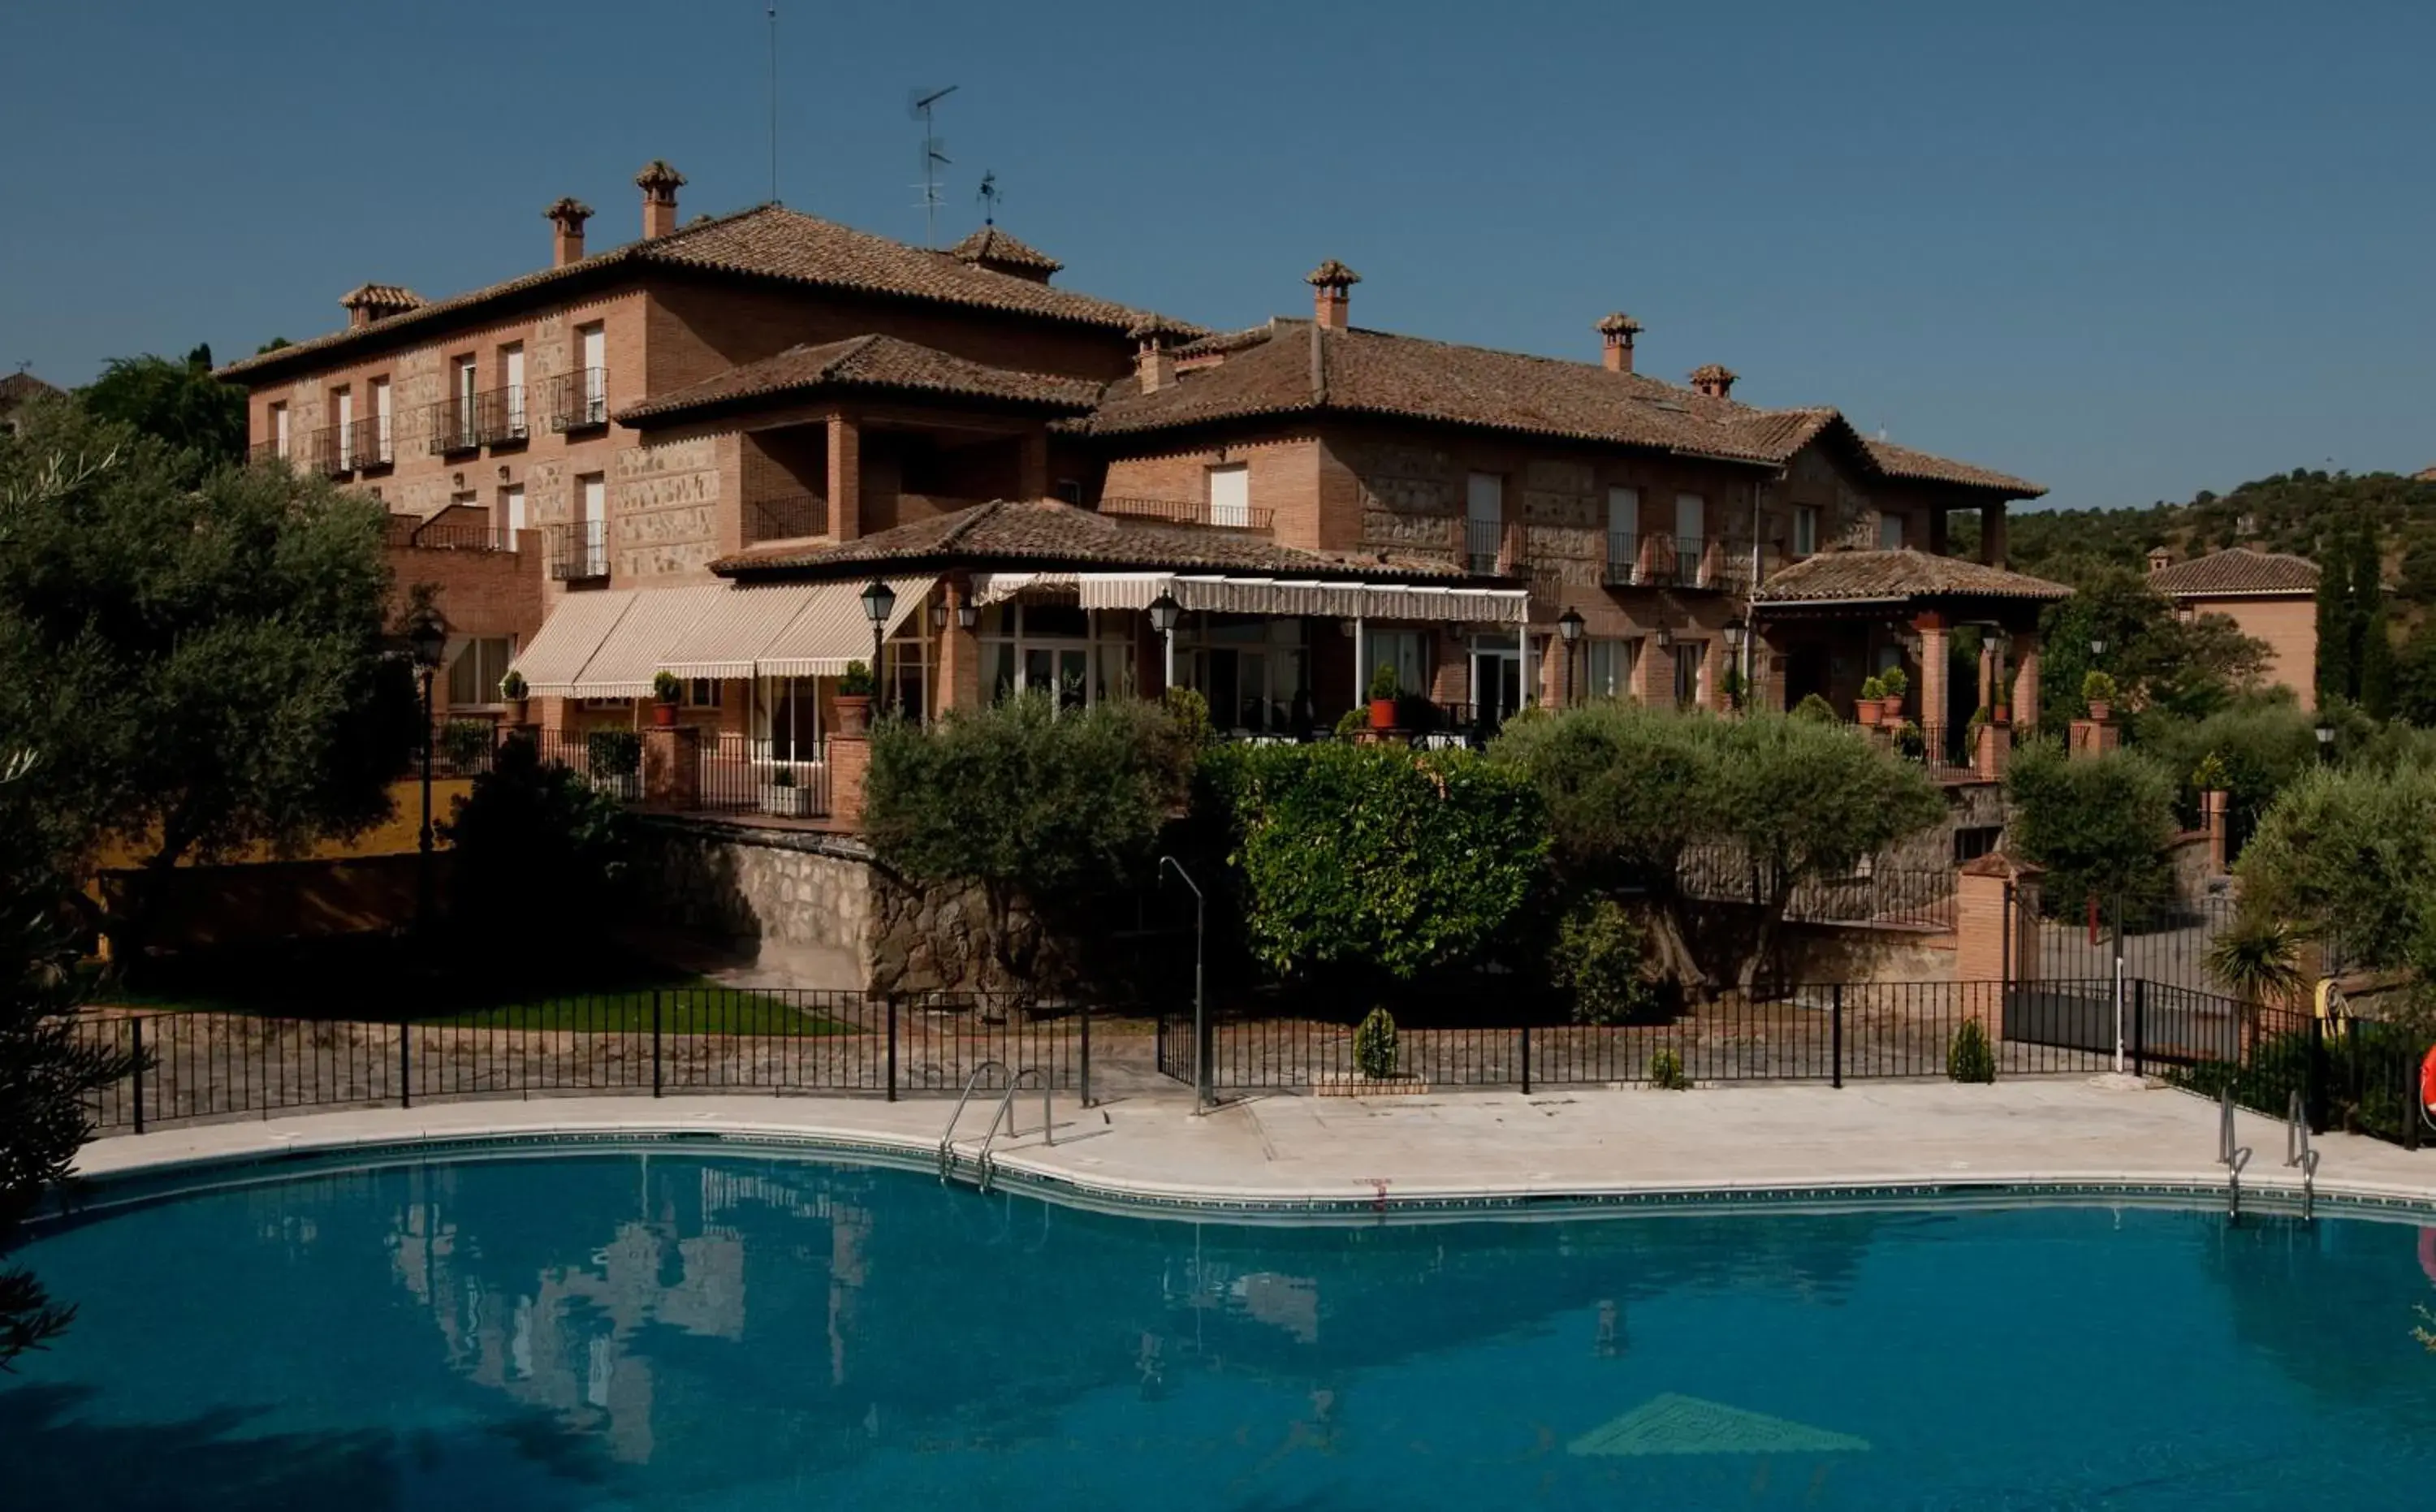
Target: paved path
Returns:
[1284, 1151]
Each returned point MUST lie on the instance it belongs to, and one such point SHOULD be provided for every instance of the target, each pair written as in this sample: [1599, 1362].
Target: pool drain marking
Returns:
[1672, 1423]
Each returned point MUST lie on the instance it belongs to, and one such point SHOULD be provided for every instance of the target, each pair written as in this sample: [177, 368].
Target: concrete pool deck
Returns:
[1430, 1155]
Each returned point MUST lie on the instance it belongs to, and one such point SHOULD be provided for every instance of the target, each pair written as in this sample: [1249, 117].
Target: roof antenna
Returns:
[920, 103]
[989, 196]
[773, 101]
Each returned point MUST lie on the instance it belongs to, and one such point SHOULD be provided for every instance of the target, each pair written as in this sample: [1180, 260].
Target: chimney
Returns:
[1715, 380]
[1330, 283]
[566, 244]
[1617, 332]
[659, 183]
[1153, 362]
[2160, 559]
[368, 303]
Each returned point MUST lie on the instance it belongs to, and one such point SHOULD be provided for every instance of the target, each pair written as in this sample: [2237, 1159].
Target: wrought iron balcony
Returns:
[579, 400]
[497, 417]
[365, 445]
[1177, 511]
[787, 517]
[1657, 561]
[451, 427]
[1484, 548]
[579, 552]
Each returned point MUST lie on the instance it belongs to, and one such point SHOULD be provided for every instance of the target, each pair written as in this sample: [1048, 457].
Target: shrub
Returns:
[1374, 1045]
[1814, 709]
[667, 687]
[538, 844]
[856, 683]
[2210, 774]
[1667, 1072]
[2098, 688]
[1351, 723]
[614, 753]
[1382, 682]
[1895, 681]
[1599, 954]
[2100, 824]
[466, 742]
[1969, 1056]
[1191, 712]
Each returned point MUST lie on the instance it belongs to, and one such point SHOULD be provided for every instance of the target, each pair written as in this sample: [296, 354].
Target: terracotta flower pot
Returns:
[1383, 714]
[664, 715]
[1893, 705]
[519, 711]
[854, 713]
[2101, 709]
[2003, 714]
[1869, 710]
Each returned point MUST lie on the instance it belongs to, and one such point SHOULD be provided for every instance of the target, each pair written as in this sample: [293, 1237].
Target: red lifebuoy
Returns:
[2428, 1079]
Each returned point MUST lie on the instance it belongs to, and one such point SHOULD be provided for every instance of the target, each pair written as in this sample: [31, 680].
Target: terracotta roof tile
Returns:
[867, 362]
[993, 247]
[2239, 570]
[1905, 574]
[1903, 461]
[769, 241]
[21, 388]
[1049, 533]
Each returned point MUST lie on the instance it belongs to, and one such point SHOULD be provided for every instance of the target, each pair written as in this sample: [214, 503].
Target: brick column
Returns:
[2025, 680]
[960, 653]
[849, 759]
[2213, 808]
[1032, 466]
[1934, 676]
[1990, 669]
[672, 766]
[1993, 543]
[1653, 674]
[846, 478]
[2090, 738]
[1993, 749]
[1983, 920]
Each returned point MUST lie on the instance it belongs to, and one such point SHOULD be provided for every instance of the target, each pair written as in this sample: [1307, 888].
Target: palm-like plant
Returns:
[2257, 960]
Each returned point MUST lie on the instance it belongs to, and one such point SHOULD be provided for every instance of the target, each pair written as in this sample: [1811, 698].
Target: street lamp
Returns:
[969, 613]
[879, 603]
[1569, 629]
[427, 639]
[2097, 647]
[1164, 613]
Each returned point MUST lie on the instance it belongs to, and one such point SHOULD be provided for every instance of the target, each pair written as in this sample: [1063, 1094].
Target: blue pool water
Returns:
[679, 1330]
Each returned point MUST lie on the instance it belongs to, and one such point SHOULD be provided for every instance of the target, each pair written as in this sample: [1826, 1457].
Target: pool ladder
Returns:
[985, 1167]
[2233, 1157]
[2297, 1153]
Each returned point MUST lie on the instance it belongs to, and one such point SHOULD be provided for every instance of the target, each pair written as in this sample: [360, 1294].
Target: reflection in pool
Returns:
[680, 1331]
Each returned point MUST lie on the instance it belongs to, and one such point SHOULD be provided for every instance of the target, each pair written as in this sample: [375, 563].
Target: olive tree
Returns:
[2101, 826]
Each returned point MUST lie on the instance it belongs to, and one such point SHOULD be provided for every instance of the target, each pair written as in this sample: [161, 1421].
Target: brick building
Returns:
[18, 389]
[692, 452]
[2268, 595]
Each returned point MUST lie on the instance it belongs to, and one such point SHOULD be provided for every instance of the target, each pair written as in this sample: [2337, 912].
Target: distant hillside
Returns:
[2303, 512]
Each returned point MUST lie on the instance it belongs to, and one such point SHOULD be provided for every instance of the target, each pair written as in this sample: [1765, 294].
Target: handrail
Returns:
[947, 1138]
[1006, 1114]
[2231, 1158]
[2297, 1153]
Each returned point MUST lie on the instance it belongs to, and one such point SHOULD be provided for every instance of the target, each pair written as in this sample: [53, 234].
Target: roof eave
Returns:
[658, 413]
[950, 560]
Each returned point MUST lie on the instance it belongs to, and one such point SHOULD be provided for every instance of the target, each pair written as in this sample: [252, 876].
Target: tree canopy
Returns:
[176, 402]
[2348, 855]
[2099, 825]
[2158, 660]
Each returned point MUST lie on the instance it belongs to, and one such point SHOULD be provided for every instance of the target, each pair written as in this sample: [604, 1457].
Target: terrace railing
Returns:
[579, 552]
[1180, 512]
[786, 517]
[579, 400]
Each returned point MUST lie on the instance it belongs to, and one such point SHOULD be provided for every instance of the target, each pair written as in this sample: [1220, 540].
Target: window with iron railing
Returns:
[323, 449]
[365, 444]
[579, 552]
[451, 427]
[1484, 545]
[787, 517]
[580, 399]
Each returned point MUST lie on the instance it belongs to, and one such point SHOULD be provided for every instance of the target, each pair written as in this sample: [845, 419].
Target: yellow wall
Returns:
[394, 836]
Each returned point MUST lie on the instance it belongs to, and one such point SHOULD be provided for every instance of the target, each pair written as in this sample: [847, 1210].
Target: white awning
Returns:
[832, 629]
[998, 587]
[639, 644]
[1219, 594]
[553, 661]
[729, 639]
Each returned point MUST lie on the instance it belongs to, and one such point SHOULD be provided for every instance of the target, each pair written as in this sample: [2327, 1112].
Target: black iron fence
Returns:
[579, 399]
[202, 1066]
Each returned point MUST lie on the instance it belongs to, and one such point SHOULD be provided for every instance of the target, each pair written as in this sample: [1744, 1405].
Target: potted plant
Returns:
[615, 760]
[854, 700]
[1894, 684]
[1872, 705]
[784, 797]
[667, 687]
[513, 692]
[1382, 698]
[2098, 690]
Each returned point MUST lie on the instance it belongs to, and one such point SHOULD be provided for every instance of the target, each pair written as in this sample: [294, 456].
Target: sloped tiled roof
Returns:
[993, 247]
[1047, 533]
[19, 387]
[2239, 570]
[1876, 576]
[868, 362]
[769, 241]
[1292, 366]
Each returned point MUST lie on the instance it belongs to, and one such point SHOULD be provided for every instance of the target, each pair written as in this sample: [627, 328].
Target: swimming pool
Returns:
[708, 1331]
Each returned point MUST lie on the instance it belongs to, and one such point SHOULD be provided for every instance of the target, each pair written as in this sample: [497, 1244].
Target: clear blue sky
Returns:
[2128, 249]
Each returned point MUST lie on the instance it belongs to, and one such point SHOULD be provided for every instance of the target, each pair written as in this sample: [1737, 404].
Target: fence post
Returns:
[1836, 1036]
[136, 1023]
[655, 1041]
[1526, 1060]
[2410, 1100]
[1087, 1054]
[405, 1062]
[2140, 1026]
[891, 1047]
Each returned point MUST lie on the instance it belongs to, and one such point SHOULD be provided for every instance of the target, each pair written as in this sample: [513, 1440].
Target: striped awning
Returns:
[553, 661]
[639, 644]
[729, 639]
[1284, 595]
[832, 629]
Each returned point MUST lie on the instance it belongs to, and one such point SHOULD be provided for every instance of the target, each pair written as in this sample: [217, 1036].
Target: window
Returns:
[457, 431]
[381, 422]
[1691, 657]
[1230, 496]
[512, 512]
[512, 382]
[1484, 521]
[1085, 655]
[592, 356]
[1255, 673]
[1806, 529]
[1623, 534]
[341, 451]
[1068, 491]
[787, 719]
[468, 499]
[1976, 842]
[701, 693]
[1610, 664]
[1890, 532]
[1408, 653]
[591, 544]
[279, 430]
[904, 673]
[473, 673]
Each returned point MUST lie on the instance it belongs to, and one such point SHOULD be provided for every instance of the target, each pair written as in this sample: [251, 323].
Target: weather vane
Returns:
[989, 196]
